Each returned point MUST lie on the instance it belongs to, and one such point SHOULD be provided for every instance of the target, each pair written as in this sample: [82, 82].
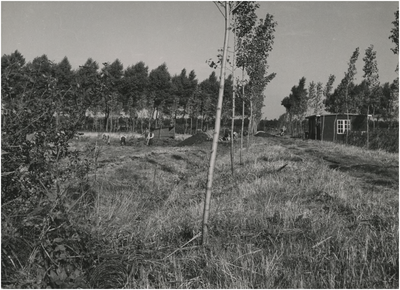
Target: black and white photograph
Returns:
[200, 144]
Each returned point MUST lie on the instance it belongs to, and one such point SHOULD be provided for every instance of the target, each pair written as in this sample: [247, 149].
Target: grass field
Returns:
[296, 214]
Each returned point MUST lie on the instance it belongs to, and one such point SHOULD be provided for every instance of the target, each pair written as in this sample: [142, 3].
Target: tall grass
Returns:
[304, 226]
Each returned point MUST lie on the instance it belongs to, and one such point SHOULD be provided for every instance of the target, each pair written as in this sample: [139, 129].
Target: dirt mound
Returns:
[198, 138]
[264, 134]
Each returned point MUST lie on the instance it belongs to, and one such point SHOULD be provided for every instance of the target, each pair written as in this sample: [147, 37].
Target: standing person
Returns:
[150, 137]
[283, 130]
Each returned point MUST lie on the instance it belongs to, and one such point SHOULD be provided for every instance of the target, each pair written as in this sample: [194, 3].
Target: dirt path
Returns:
[374, 171]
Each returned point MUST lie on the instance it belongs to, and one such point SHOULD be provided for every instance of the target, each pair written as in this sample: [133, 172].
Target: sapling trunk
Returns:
[315, 129]
[233, 109]
[373, 120]
[154, 177]
[347, 109]
[367, 128]
[207, 199]
[150, 118]
[241, 132]
[107, 127]
[185, 123]
[250, 125]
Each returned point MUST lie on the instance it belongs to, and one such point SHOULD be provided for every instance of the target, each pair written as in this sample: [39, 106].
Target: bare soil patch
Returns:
[265, 134]
[198, 138]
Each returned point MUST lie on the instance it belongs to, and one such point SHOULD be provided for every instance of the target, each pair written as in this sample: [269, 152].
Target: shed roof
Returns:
[350, 114]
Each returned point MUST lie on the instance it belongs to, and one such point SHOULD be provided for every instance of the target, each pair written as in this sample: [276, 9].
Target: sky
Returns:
[312, 39]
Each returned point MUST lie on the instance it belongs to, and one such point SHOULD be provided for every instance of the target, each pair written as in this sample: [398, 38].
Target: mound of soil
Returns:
[198, 138]
[264, 134]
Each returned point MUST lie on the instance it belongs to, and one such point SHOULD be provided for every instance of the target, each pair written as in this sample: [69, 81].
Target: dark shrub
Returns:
[384, 139]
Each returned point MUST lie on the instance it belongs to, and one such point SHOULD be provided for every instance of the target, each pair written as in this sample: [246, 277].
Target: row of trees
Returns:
[111, 90]
[368, 97]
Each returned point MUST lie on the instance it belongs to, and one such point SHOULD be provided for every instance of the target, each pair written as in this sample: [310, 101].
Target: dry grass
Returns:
[305, 226]
[117, 135]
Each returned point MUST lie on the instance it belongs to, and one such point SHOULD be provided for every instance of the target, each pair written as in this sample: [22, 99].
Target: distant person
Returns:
[150, 137]
[226, 137]
[123, 140]
[106, 138]
[283, 130]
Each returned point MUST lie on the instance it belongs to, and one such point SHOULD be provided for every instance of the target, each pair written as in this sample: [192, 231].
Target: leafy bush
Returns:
[46, 239]
[384, 139]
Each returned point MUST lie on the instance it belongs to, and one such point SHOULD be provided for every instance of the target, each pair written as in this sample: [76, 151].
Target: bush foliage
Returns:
[44, 241]
[383, 139]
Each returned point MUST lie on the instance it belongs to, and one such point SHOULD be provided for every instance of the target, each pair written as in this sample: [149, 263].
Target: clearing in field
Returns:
[297, 214]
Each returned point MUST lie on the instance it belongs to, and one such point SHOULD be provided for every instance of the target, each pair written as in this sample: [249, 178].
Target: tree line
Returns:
[136, 91]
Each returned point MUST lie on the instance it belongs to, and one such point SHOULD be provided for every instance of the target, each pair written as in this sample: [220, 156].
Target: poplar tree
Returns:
[395, 33]
[63, 75]
[371, 77]
[136, 86]
[318, 99]
[111, 81]
[233, 95]
[208, 89]
[246, 19]
[159, 90]
[315, 99]
[395, 39]
[296, 103]
[327, 90]
[253, 53]
[190, 92]
[312, 97]
[207, 199]
[89, 84]
[347, 80]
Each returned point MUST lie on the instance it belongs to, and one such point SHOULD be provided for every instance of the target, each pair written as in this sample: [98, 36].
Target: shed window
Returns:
[343, 126]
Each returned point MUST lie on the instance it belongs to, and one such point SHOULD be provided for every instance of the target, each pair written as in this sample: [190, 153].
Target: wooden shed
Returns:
[164, 133]
[333, 127]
